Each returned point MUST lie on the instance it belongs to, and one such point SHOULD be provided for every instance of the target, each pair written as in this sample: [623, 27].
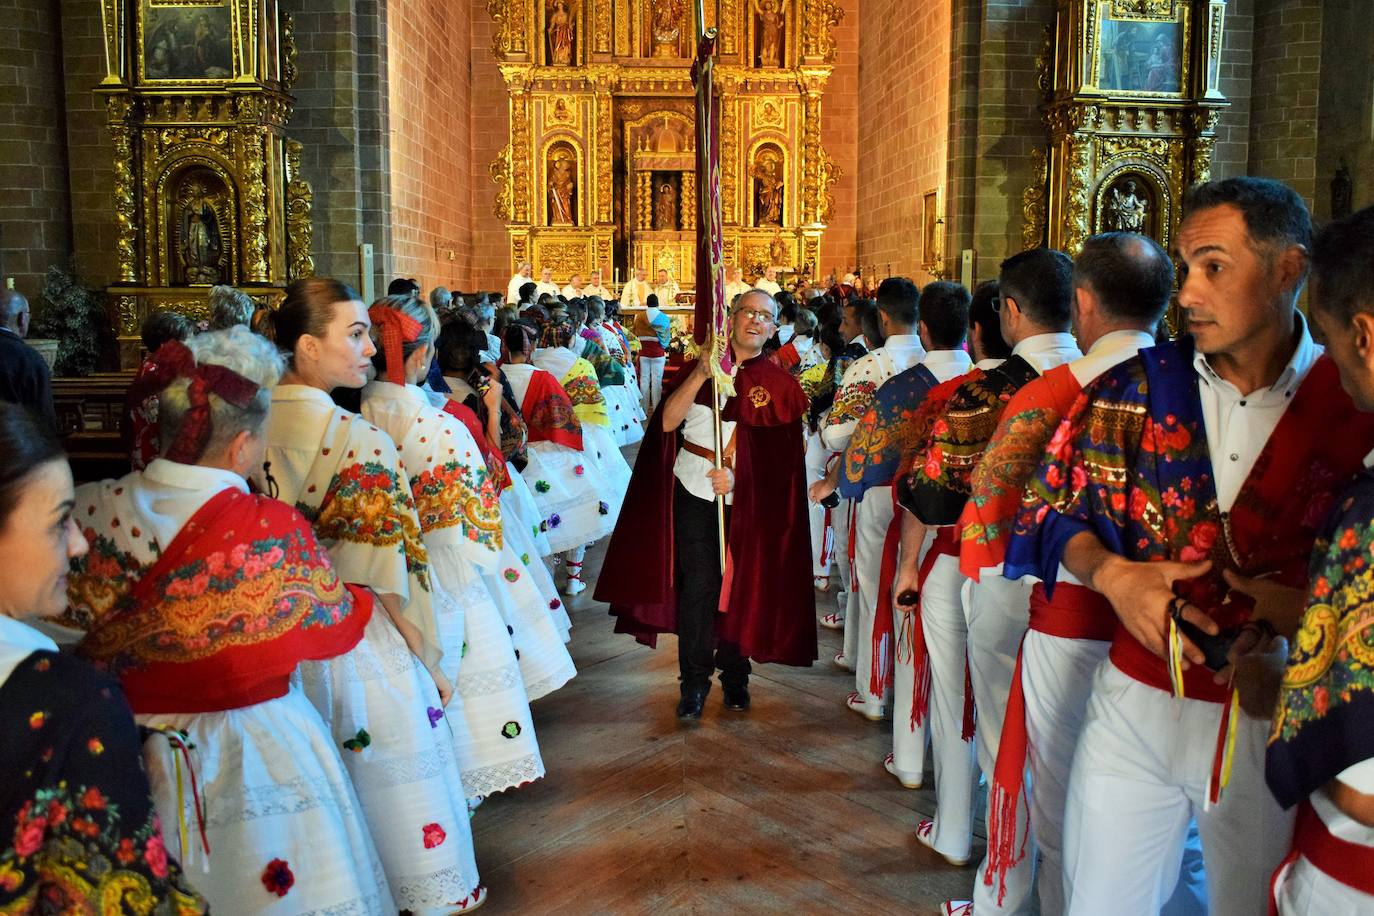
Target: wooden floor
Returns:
[784, 809]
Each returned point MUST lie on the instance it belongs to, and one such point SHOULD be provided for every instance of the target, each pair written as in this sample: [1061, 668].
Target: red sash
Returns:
[650, 348]
[495, 461]
[1352, 864]
[1076, 612]
[913, 637]
[787, 356]
[239, 598]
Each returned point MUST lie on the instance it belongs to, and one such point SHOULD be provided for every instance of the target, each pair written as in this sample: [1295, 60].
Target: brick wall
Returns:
[35, 206]
[1345, 117]
[429, 92]
[489, 129]
[1232, 156]
[840, 136]
[904, 71]
[1284, 90]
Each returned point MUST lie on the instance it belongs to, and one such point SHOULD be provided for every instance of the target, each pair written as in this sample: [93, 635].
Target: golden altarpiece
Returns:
[1132, 103]
[600, 169]
[206, 185]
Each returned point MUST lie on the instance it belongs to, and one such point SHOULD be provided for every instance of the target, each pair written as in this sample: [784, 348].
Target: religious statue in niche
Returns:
[562, 189]
[562, 33]
[665, 207]
[201, 244]
[770, 33]
[777, 252]
[768, 187]
[667, 26]
[1125, 210]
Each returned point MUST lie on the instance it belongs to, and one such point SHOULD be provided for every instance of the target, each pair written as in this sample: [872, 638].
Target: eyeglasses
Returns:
[756, 316]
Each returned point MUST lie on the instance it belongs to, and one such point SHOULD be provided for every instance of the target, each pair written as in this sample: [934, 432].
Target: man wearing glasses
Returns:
[666, 548]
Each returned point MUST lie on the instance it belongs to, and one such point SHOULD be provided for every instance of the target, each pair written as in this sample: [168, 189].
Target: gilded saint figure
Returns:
[665, 208]
[770, 33]
[562, 187]
[1125, 210]
[767, 175]
[667, 26]
[200, 244]
[562, 32]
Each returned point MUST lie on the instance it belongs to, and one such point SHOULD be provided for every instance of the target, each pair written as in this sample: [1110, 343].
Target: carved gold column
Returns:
[687, 202]
[601, 27]
[730, 160]
[811, 147]
[252, 142]
[645, 197]
[604, 83]
[119, 108]
[521, 151]
[299, 230]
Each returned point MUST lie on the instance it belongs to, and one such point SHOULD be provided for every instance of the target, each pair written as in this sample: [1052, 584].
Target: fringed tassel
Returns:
[920, 700]
[1225, 757]
[883, 674]
[970, 714]
[827, 541]
[1004, 797]
[849, 549]
[1175, 659]
[181, 747]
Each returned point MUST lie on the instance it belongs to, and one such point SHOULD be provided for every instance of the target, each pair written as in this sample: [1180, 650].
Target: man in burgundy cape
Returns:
[662, 569]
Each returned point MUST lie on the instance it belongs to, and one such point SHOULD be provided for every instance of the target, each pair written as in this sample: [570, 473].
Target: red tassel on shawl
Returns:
[881, 676]
[827, 540]
[913, 630]
[970, 718]
[1004, 795]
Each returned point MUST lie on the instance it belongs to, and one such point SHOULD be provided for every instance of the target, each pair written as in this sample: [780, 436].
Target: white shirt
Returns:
[1045, 351]
[635, 293]
[735, 288]
[1238, 427]
[984, 365]
[18, 641]
[863, 377]
[513, 287]
[947, 364]
[541, 288]
[690, 469]
[601, 291]
[768, 286]
[570, 293]
[785, 333]
[169, 493]
[667, 293]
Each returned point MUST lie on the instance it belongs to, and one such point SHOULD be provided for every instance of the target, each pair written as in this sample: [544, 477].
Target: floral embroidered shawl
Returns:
[913, 460]
[608, 371]
[579, 381]
[218, 618]
[1013, 455]
[1130, 463]
[545, 406]
[456, 499]
[941, 485]
[1324, 722]
[359, 503]
[885, 432]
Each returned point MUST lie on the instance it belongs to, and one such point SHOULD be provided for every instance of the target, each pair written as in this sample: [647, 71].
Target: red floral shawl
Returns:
[548, 412]
[223, 616]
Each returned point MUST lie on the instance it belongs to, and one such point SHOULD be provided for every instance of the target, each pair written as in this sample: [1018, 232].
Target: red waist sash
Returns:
[1077, 612]
[650, 348]
[1352, 864]
[1140, 663]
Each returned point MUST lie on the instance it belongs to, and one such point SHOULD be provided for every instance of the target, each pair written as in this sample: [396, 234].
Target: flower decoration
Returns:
[555, 520]
[555, 604]
[511, 575]
[277, 877]
[511, 730]
[434, 835]
[543, 526]
[356, 744]
[541, 486]
[95, 746]
[579, 470]
[37, 719]
[525, 558]
[436, 716]
[603, 508]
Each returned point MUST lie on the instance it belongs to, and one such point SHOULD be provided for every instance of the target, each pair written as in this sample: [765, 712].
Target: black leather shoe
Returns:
[736, 698]
[690, 706]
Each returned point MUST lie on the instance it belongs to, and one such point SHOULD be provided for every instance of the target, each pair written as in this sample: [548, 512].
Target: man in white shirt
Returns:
[666, 289]
[636, 292]
[1244, 244]
[898, 300]
[736, 286]
[594, 287]
[574, 289]
[769, 281]
[523, 275]
[546, 284]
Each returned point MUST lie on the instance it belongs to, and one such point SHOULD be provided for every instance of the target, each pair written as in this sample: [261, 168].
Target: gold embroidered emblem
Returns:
[759, 396]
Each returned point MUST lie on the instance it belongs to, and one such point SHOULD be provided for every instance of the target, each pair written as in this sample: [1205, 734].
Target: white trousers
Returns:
[846, 596]
[816, 455]
[1139, 778]
[998, 614]
[871, 519]
[1305, 890]
[946, 636]
[651, 380]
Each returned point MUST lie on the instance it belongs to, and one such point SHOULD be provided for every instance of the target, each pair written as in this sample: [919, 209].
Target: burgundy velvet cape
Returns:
[771, 610]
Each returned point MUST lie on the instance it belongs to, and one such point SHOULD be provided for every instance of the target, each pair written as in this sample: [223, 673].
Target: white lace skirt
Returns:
[545, 664]
[493, 731]
[273, 788]
[383, 710]
[599, 445]
[519, 510]
[524, 547]
[568, 489]
[623, 404]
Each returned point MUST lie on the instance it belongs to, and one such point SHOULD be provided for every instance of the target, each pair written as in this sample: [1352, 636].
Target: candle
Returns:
[615, 275]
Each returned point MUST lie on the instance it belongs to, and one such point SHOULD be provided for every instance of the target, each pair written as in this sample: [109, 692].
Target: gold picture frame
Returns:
[186, 42]
[930, 229]
[1144, 54]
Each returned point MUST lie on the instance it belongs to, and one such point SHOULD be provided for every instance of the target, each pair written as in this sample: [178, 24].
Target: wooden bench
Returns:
[90, 420]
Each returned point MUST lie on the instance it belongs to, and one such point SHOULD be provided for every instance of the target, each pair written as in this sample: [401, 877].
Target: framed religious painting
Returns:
[185, 42]
[930, 229]
[1143, 47]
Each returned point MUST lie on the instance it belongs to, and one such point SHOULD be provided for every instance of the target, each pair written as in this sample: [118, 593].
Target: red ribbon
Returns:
[397, 329]
[173, 361]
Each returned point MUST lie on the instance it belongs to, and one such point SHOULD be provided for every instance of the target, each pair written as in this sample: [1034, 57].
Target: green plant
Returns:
[74, 316]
